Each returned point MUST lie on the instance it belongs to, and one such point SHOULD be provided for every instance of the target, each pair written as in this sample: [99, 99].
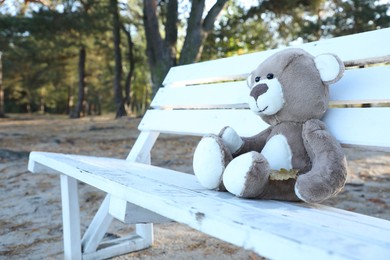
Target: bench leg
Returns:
[91, 246]
[70, 218]
[98, 227]
[146, 232]
[94, 248]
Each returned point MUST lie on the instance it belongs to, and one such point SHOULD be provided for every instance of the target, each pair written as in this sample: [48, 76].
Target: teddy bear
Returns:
[295, 158]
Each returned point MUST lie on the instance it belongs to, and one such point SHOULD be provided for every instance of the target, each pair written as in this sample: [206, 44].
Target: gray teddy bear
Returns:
[295, 158]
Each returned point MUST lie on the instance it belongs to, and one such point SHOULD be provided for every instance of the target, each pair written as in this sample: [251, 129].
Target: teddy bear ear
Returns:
[330, 66]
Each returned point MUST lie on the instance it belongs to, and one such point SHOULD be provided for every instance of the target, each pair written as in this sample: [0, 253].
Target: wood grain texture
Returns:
[357, 86]
[262, 226]
[351, 126]
[348, 48]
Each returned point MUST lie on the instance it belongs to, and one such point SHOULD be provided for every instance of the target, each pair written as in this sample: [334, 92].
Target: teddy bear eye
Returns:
[257, 79]
[270, 76]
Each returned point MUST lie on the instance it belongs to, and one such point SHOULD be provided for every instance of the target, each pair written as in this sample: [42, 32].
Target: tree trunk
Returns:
[195, 34]
[81, 89]
[129, 76]
[198, 30]
[118, 95]
[69, 101]
[162, 52]
[2, 112]
[171, 30]
[158, 57]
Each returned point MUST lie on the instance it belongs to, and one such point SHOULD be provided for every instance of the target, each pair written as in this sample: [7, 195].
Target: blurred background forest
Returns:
[89, 57]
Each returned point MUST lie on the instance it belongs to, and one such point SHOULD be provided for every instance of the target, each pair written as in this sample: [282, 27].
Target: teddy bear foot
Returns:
[312, 190]
[307, 193]
[247, 175]
[210, 159]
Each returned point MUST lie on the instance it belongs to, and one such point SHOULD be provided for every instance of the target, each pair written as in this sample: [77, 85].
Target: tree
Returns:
[281, 21]
[2, 114]
[272, 23]
[130, 73]
[60, 51]
[86, 26]
[43, 49]
[241, 30]
[118, 95]
[162, 52]
[81, 86]
[354, 16]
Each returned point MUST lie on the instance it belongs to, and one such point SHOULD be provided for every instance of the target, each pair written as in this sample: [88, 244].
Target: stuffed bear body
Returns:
[295, 158]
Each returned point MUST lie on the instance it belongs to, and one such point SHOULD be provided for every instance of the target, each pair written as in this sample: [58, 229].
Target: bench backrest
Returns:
[202, 98]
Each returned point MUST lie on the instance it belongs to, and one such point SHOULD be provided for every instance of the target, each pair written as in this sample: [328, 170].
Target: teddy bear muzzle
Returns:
[266, 97]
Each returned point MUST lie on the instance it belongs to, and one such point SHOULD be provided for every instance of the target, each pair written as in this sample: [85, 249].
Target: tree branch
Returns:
[194, 34]
[208, 23]
[198, 29]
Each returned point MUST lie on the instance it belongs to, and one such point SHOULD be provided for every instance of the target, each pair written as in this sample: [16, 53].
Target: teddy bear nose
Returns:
[258, 90]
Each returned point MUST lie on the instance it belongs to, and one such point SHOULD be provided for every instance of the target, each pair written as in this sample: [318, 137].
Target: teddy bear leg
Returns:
[280, 190]
[247, 175]
[329, 169]
[209, 162]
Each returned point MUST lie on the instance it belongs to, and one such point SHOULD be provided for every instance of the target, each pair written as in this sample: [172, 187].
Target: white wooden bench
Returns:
[195, 102]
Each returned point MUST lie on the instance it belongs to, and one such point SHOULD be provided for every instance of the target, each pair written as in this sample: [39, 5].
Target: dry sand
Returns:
[30, 216]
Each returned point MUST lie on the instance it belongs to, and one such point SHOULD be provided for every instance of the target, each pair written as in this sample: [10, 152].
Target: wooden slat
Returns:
[360, 126]
[262, 226]
[358, 86]
[349, 48]
[368, 85]
[202, 122]
[352, 126]
[232, 94]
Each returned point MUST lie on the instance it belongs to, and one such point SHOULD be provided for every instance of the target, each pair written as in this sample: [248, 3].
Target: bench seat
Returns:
[265, 227]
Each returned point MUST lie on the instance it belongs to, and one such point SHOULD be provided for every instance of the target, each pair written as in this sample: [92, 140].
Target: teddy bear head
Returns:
[292, 85]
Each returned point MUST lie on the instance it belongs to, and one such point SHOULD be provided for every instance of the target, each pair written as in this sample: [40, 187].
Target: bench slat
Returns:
[374, 43]
[219, 95]
[360, 126]
[351, 126]
[202, 122]
[356, 87]
[366, 85]
[262, 226]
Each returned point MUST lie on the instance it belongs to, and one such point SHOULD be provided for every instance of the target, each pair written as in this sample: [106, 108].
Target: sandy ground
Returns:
[30, 215]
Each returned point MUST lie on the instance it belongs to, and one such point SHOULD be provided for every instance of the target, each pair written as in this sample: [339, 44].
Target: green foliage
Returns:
[271, 23]
[40, 57]
[245, 29]
[237, 33]
[40, 45]
[354, 16]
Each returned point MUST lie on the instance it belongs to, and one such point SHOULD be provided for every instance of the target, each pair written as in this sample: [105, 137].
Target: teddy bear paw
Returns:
[247, 175]
[210, 159]
[231, 139]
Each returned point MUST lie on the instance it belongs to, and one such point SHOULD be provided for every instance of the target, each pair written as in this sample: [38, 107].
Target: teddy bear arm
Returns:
[254, 143]
[329, 170]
